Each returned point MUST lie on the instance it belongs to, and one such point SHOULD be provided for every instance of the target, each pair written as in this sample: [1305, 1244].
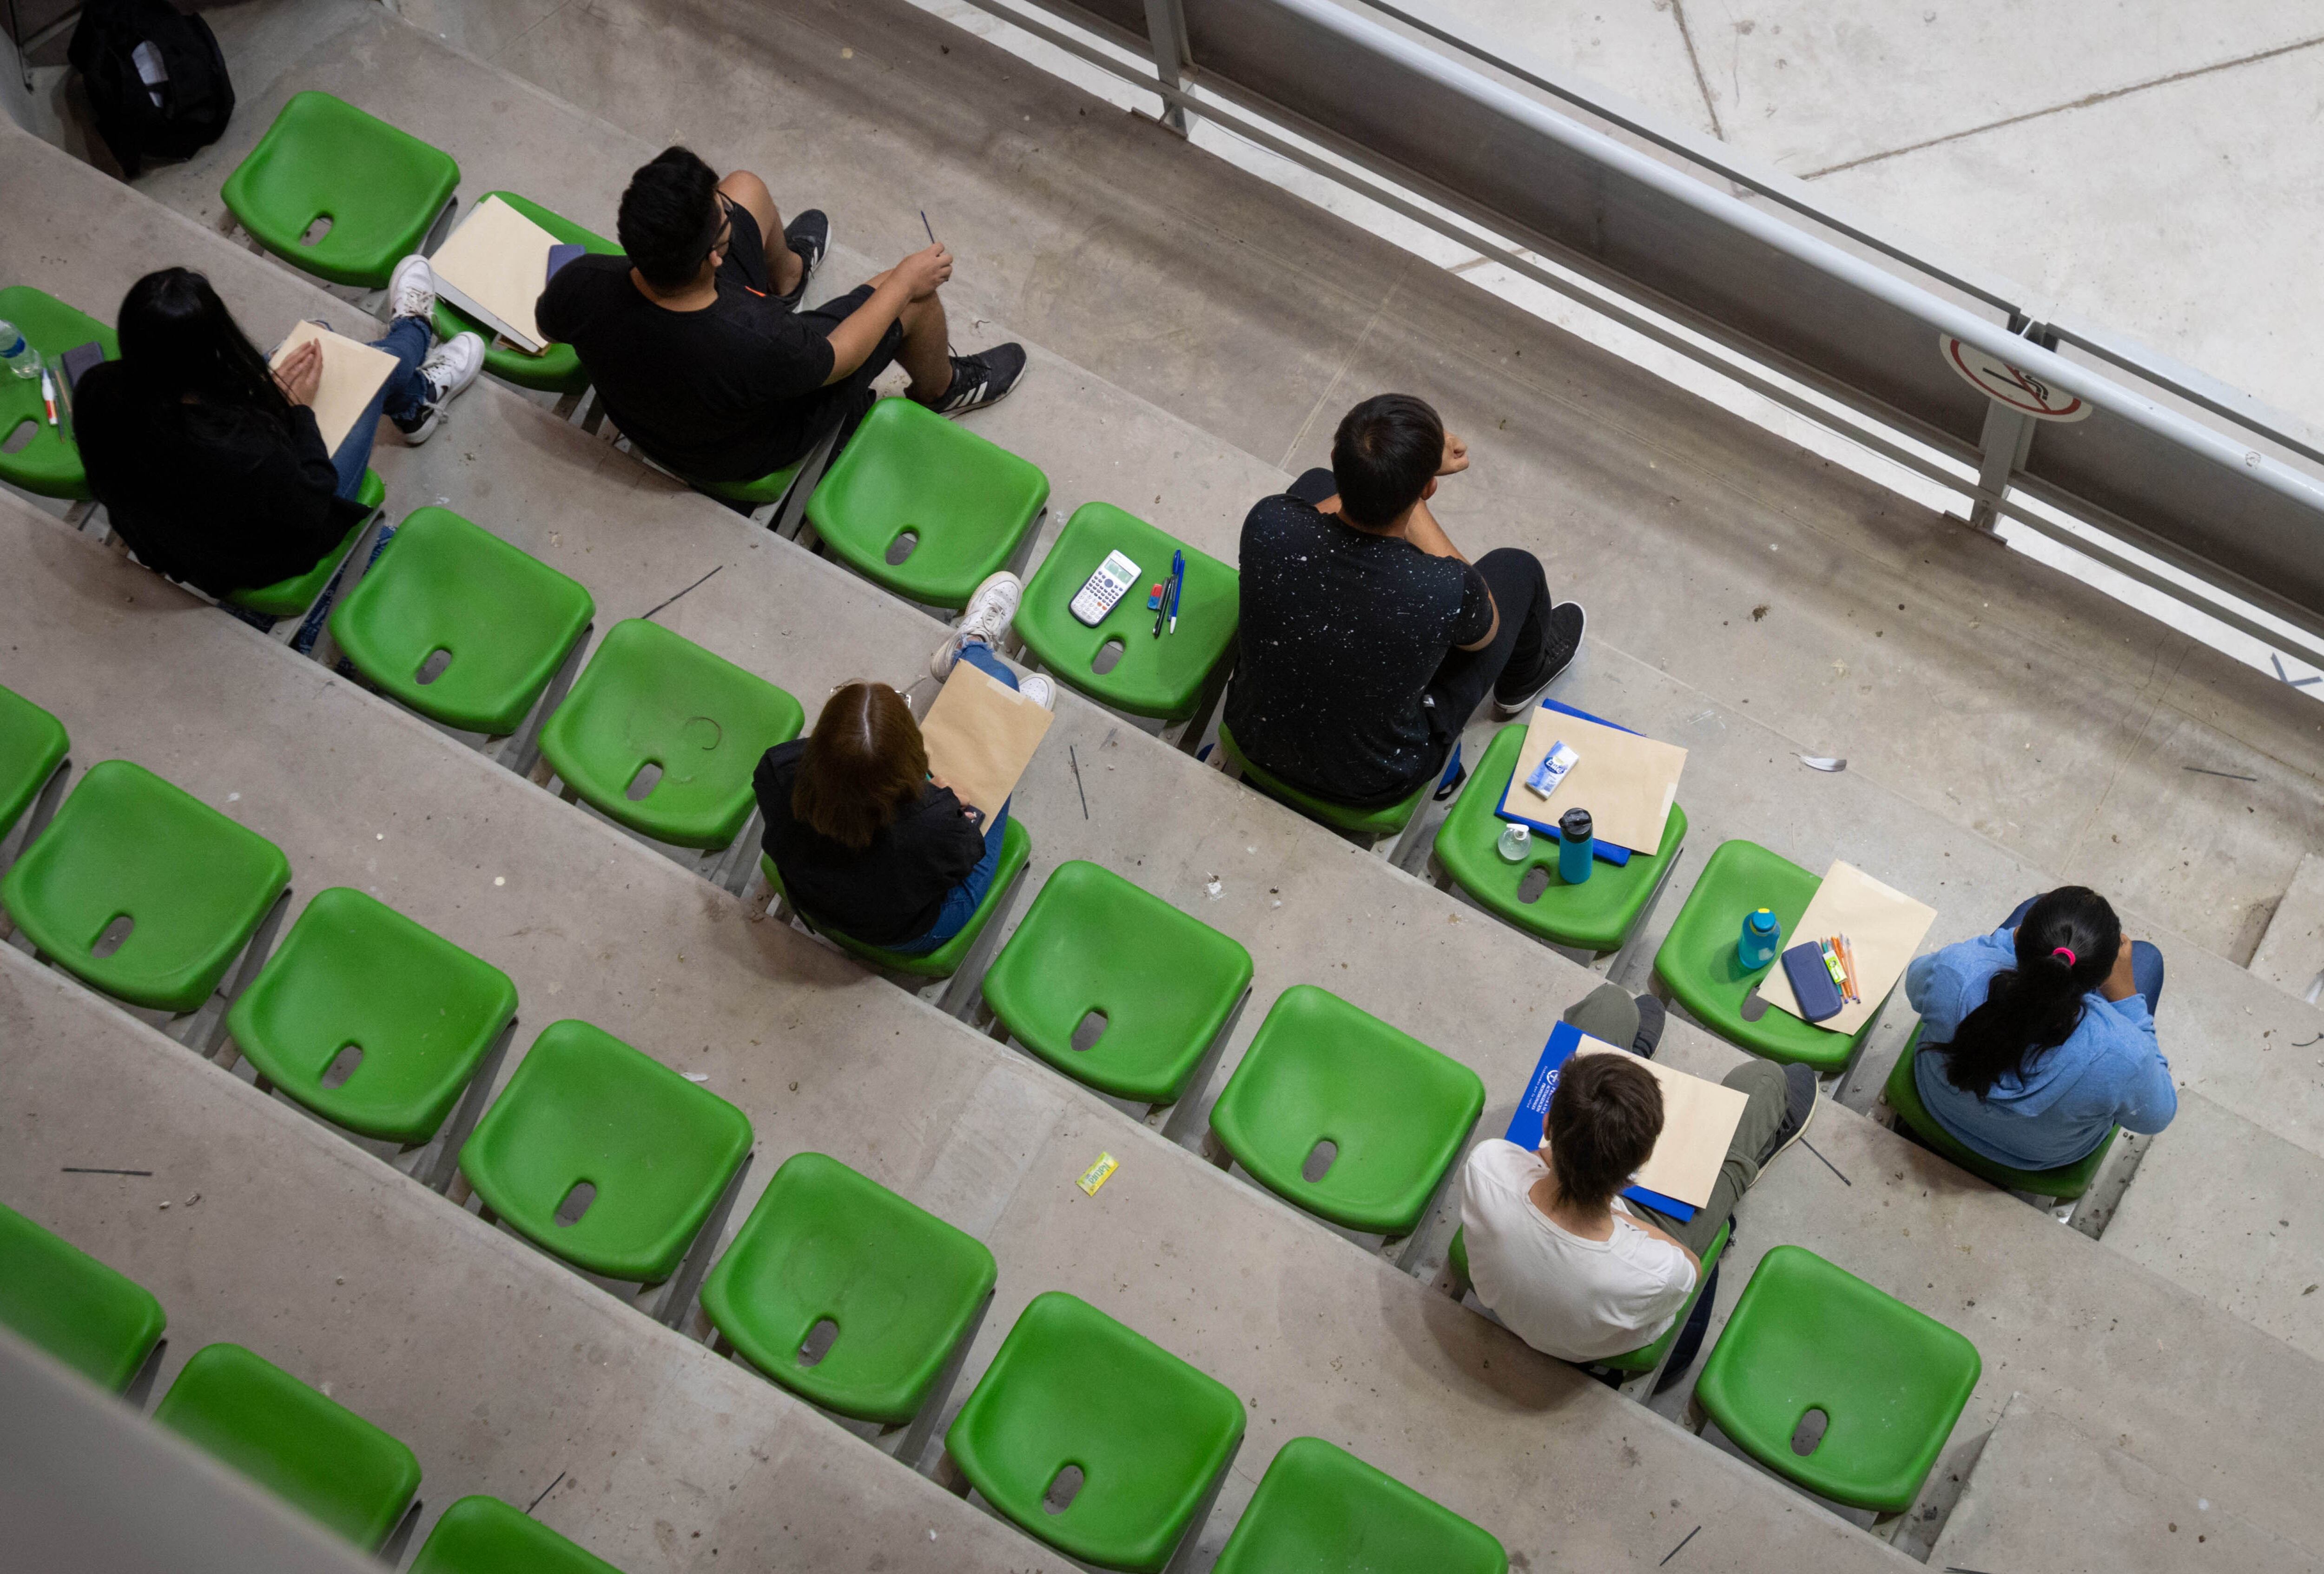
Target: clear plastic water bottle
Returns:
[1763, 937]
[21, 357]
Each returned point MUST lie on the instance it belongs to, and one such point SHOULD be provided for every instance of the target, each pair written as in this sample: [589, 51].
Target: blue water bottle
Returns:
[1575, 847]
[1763, 937]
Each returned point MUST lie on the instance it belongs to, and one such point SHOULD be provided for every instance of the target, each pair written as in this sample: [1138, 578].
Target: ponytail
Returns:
[2067, 945]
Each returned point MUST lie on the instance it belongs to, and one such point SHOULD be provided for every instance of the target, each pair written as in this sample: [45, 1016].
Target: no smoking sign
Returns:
[2014, 386]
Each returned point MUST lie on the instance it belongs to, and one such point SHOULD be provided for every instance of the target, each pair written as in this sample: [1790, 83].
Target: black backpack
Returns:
[196, 102]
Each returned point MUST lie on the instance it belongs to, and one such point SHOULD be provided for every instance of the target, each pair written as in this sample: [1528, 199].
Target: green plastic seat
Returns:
[1596, 915]
[99, 1323]
[49, 465]
[484, 1536]
[1699, 965]
[1321, 1510]
[195, 885]
[33, 744]
[557, 369]
[1162, 677]
[650, 696]
[904, 1287]
[750, 494]
[353, 970]
[1165, 981]
[1891, 1381]
[584, 1107]
[1015, 848]
[508, 620]
[1372, 823]
[1151, 1435]
[287, 598]
[2066, 1183]
[1647, 1357]
[907, 468]
[1320, 1069]
[381, 188]
[314, 1453]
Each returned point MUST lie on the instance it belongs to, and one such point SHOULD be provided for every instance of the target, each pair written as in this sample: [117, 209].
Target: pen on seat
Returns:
[48, 394]
[1177, 584]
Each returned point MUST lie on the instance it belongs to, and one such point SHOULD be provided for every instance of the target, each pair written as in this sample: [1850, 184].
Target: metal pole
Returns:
[1166, 35]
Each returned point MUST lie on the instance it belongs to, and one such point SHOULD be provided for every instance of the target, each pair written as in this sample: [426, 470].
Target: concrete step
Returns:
[2043, 1496]
[2290, 954]
[503, 1371]
[591, 925]
[2235, 1215]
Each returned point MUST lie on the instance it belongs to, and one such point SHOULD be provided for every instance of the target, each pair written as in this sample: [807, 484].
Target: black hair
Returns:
[2067, 945]
[179, 340]
[1385, 454]
[670, 218]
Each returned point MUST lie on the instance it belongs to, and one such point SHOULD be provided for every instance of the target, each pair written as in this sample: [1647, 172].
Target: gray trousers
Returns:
[1761, 1081]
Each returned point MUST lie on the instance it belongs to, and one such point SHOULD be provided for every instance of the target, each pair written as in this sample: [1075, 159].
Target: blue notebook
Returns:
[1617, 856]
[1524, 1125]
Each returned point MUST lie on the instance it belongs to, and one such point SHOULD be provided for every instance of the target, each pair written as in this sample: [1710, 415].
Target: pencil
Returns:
[1847, 961]
[928, 227]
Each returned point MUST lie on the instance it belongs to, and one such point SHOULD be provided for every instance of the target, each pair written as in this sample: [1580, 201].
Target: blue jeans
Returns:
[402, 398]
[2145, 960]
[961, 902]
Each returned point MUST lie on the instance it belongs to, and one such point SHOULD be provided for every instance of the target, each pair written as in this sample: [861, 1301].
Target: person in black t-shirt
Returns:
[867, 841]
[210, 465]
[700, 349]
[1366, 638]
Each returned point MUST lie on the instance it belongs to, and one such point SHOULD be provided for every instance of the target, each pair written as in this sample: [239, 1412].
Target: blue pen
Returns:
[1177, 584]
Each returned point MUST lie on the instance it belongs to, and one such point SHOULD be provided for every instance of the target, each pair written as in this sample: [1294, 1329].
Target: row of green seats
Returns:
[1149, 1436]
[312, 1452]
[915, 503]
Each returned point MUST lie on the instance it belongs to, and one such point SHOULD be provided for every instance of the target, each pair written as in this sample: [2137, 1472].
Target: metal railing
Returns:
[1698, 249]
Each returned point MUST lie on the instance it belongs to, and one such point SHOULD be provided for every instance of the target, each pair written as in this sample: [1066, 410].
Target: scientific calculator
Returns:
[1104, 589]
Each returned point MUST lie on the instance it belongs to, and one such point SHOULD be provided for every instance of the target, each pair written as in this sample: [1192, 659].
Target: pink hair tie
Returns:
[2068, 953]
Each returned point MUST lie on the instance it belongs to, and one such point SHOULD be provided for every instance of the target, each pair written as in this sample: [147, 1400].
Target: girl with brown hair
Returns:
[867, 841]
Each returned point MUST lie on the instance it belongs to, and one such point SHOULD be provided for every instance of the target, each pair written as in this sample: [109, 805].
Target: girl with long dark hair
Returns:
[209, 464]
[867, 841]
[2038, 1039]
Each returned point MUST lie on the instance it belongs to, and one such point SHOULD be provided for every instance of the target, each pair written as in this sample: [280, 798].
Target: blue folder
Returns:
[1617, 856]
[1524, 1125]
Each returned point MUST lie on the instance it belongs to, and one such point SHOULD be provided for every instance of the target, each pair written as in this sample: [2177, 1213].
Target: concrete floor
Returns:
[1995, 691]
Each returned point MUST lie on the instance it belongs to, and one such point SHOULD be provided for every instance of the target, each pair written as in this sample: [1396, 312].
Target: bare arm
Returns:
[913, 279]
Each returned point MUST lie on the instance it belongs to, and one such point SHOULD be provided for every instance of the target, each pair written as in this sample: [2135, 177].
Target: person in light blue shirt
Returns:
[2038, 1039]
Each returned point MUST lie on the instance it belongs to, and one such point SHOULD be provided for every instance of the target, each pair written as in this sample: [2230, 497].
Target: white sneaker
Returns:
[448, 370]
[1040, 690]
[989, 612]
[412, 288]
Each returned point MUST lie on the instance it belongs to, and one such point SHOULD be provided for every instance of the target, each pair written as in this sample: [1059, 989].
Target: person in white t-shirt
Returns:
[1558, 1255]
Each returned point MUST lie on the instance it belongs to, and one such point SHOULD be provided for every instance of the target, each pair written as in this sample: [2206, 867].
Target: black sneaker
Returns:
[985, 378]
[1799, 1109]
[809, 236]
[1560, 642]
[1651, 1015]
